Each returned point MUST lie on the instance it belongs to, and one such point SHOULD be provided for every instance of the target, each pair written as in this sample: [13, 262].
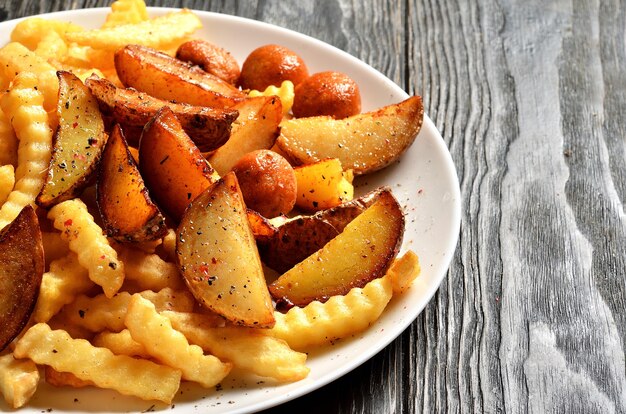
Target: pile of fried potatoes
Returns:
[129, 258]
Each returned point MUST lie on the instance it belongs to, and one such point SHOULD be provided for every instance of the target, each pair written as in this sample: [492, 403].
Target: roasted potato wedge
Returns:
[208, 128]
[217, 255]
[127, 211]
[282, 247]
[165, 77]
[363, 143]
[78, 142]
[21, 270]
[211, 58]
[173, 168]
[360, 253]
[255, 128]
[322, 185]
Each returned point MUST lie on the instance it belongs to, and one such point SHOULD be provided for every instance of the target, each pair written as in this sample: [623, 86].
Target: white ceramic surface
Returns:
[424, 181]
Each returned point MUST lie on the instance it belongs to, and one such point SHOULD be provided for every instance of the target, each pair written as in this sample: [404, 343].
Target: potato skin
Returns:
[267, 181]
[271, 65]
[213, 59]
[327, 93]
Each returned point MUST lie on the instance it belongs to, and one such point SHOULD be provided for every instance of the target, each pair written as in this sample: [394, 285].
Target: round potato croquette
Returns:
[271, 65]
[327, 93]
[267, 181]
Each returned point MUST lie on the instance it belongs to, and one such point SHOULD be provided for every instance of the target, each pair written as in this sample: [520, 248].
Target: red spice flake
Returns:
[75, 124]
[67, 222]
[203, 269]
[102, 257]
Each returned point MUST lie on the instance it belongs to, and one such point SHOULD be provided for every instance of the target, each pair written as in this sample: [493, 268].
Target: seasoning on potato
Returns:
[271, 65]
[327, 93]
[267, 181]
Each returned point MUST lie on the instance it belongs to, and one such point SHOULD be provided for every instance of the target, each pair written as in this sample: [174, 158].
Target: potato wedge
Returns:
[364, 143]
[209, 128]
[218, 257]
[165, 77]
[78, 142]
[173, 168]
[211, 58]
[21, 270]
[362, 252]
[323, 184]
[255, 128]
[128, 213]
[286, 245]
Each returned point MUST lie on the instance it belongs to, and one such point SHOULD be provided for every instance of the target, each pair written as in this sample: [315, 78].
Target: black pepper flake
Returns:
[81, 313]
[113, 265]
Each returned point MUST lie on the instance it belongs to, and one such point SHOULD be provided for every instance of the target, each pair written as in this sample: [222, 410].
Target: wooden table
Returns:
[530, 97]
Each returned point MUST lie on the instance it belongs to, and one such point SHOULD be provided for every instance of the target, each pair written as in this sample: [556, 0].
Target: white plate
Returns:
[424, 181]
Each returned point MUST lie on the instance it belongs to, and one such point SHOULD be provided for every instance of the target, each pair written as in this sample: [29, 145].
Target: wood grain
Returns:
[530, 97]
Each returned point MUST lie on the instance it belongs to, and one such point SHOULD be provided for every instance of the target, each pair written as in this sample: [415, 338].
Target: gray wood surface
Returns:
[530, 97]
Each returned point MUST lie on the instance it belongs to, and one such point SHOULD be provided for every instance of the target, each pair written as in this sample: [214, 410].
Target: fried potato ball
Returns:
[271, 65]
[267, 181]
[327, 93]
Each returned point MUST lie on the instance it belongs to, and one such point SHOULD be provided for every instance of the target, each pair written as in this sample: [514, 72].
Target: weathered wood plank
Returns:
[531, 99]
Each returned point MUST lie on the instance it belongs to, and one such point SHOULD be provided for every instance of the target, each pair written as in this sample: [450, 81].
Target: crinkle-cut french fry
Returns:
[63, 379]
[31, 31]
[157, 33]
[403, 272]
[149, 271]
[246, 348]
[60, 285]
[7, 181]
[126, 12]
[23, 106]
[87, 240]
[54, 247]
[285, 92]
[101, 313]
[121, 343]
[169, 346]
[18, 380]
[51, 46]
[339, 317]
[138, 377]
[8, 141]
[16, 59]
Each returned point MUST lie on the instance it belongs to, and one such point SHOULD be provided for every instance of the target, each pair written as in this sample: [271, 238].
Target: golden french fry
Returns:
[16, 59]
[285, 92]
[23, 105]
[341, 316]
[126, 12]
[149, 271]
[86, 239]
[246, 348]
[138, 377]
[120, 343]
[51, 46]
[18, 380]
[62, 379]
[30, 32]
[403, 272]
[100, 313]
[169, 346]
[7, 181]
[8, 141]
[66, 279]
[158, 32]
